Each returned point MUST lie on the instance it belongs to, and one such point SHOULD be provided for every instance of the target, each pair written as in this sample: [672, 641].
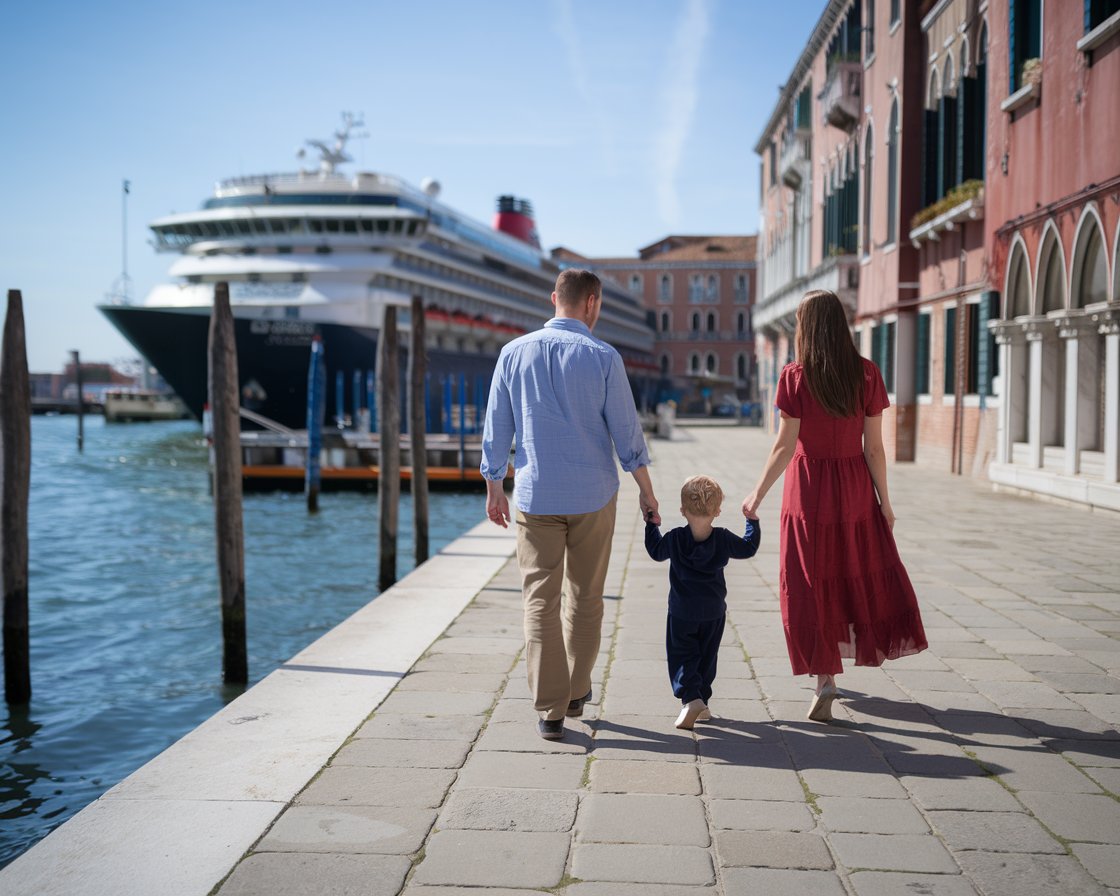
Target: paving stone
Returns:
[829, 782]
[281, 874]
[453, 681]
[421, 890]
[978, 794]
[760, 815]
[544, 772]
[1016, 694]
[431, 727]
[495, 809]
[993, 832]
[494, 859]
[642, 818]
[522, 737]
[635, 863]
[1034, 770]
[744, 783]
[1028, 875]
[639, 737]
[772, 849]
[459, 662]
[1108, 778]
[638, 776]
[891, 883]
[860, 815]
[1102, 862]
[354, 786]
[1076, 816]
[395, 752]
[596, 888]
[349, 829]
[781, 882]
[436, 703]
[508, 646]
[893, 852]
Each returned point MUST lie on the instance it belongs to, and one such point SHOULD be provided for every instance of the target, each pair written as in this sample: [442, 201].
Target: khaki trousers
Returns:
[563, 561]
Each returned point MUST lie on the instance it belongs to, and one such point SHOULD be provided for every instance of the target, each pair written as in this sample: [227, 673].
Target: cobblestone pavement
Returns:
[989, 764]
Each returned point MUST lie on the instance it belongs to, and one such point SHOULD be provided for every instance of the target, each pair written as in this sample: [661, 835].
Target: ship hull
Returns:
[272, 359]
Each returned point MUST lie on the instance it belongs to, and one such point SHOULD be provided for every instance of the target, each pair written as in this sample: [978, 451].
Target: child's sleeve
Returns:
[747, 546]
[656, 546]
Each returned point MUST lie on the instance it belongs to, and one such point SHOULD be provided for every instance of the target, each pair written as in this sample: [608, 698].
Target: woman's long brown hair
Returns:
[832, 366]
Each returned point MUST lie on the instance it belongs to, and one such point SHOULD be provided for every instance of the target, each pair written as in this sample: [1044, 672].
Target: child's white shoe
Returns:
[705, 714]
[690, 712]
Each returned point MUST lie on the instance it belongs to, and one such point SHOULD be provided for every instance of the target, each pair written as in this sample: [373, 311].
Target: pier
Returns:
[397, 754]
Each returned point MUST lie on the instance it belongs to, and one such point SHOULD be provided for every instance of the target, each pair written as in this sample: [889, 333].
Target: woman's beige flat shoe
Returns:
[820, 710]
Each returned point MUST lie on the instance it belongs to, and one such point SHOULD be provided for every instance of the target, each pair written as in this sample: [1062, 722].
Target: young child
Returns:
[697, 554]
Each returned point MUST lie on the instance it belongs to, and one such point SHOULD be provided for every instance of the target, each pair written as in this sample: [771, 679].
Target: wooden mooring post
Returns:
[418, 424]
[15, 480]
[81, 400]
[228, 524]
[389, 447]
[316, 391]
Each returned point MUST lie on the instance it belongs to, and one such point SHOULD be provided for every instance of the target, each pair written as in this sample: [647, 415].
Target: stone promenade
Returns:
[989, 764]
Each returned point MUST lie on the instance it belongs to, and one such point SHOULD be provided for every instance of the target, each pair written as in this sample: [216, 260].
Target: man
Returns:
[564, 395]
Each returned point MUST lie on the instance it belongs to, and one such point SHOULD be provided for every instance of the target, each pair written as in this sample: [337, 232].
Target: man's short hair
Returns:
[574, 285]
[701, 496]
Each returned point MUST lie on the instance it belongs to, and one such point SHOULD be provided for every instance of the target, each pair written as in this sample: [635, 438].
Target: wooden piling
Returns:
[224, 407]
[15, 479]
[316, 376]
[418, 424]
[389, 447]
[81, 400]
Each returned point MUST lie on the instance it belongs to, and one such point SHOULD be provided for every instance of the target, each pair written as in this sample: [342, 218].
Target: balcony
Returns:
[840, 97]
[795, 158]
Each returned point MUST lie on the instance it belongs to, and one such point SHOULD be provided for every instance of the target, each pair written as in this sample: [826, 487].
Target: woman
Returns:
[844, 591]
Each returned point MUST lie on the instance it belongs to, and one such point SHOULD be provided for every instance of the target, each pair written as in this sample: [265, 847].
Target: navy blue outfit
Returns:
[697, 600]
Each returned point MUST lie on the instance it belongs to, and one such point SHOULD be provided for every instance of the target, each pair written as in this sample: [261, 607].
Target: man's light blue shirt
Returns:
[563, 396]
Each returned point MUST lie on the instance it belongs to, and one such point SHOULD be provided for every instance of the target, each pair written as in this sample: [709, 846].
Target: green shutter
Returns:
[950, 350]
[921, 375]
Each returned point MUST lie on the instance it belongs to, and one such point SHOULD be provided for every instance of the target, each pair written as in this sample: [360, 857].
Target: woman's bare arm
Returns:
[780, 454]
[876, 457]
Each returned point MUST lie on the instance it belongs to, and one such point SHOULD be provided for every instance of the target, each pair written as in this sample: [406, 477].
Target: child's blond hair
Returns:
[701, 496]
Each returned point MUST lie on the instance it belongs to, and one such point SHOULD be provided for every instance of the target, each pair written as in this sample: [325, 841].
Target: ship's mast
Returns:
[332, 156]
[120, 293]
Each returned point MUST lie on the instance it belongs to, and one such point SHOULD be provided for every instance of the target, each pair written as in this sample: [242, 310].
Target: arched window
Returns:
[741, 367]
[713, 288]
[868, 162]
[664, 365]
[636, 284]
[695, 321]
[713, 364]
[666, 290]
[947, 130]
[694, 363]
[892, 174]
[740, 323]
[1051, 276]
[711, 322]
[1017, 295]
[664, 321]
[1090, 265]
[869, 29]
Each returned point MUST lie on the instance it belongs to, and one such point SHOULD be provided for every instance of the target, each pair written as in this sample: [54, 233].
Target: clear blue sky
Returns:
[621, 121]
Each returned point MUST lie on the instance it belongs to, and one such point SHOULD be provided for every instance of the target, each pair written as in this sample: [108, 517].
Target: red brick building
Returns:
[698, 292]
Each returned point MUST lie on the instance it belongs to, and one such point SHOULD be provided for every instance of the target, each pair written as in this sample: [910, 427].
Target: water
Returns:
[125, 620]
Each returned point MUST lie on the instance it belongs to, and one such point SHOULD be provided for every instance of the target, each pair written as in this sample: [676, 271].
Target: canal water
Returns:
[125, 622]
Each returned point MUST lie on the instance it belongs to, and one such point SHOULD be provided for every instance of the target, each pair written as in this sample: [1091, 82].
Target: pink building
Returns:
[1052, 212]
[981, 139]
[698, 292]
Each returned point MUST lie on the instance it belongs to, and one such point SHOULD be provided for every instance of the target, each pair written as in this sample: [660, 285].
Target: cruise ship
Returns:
[322, 253]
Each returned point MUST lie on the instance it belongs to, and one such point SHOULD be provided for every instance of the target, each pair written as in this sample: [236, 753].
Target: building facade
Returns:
[987, 247]
[698, 292]
[1053, 210]
[810, 189]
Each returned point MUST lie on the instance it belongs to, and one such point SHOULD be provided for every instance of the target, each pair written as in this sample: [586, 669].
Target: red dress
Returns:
[844, 590]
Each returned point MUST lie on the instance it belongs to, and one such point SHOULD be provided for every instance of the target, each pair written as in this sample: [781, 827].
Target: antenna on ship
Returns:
[332, 156]
[120, 293]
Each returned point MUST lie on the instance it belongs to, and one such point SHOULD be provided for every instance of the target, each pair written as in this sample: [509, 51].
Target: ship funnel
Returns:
[515, 217]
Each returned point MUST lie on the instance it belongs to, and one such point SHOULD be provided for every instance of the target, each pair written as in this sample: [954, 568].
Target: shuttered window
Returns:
[921, 373]
[950, 383]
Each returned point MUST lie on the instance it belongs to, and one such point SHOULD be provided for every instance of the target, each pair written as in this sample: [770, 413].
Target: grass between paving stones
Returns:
[566, 881]
[810, 797]
[586, 779]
